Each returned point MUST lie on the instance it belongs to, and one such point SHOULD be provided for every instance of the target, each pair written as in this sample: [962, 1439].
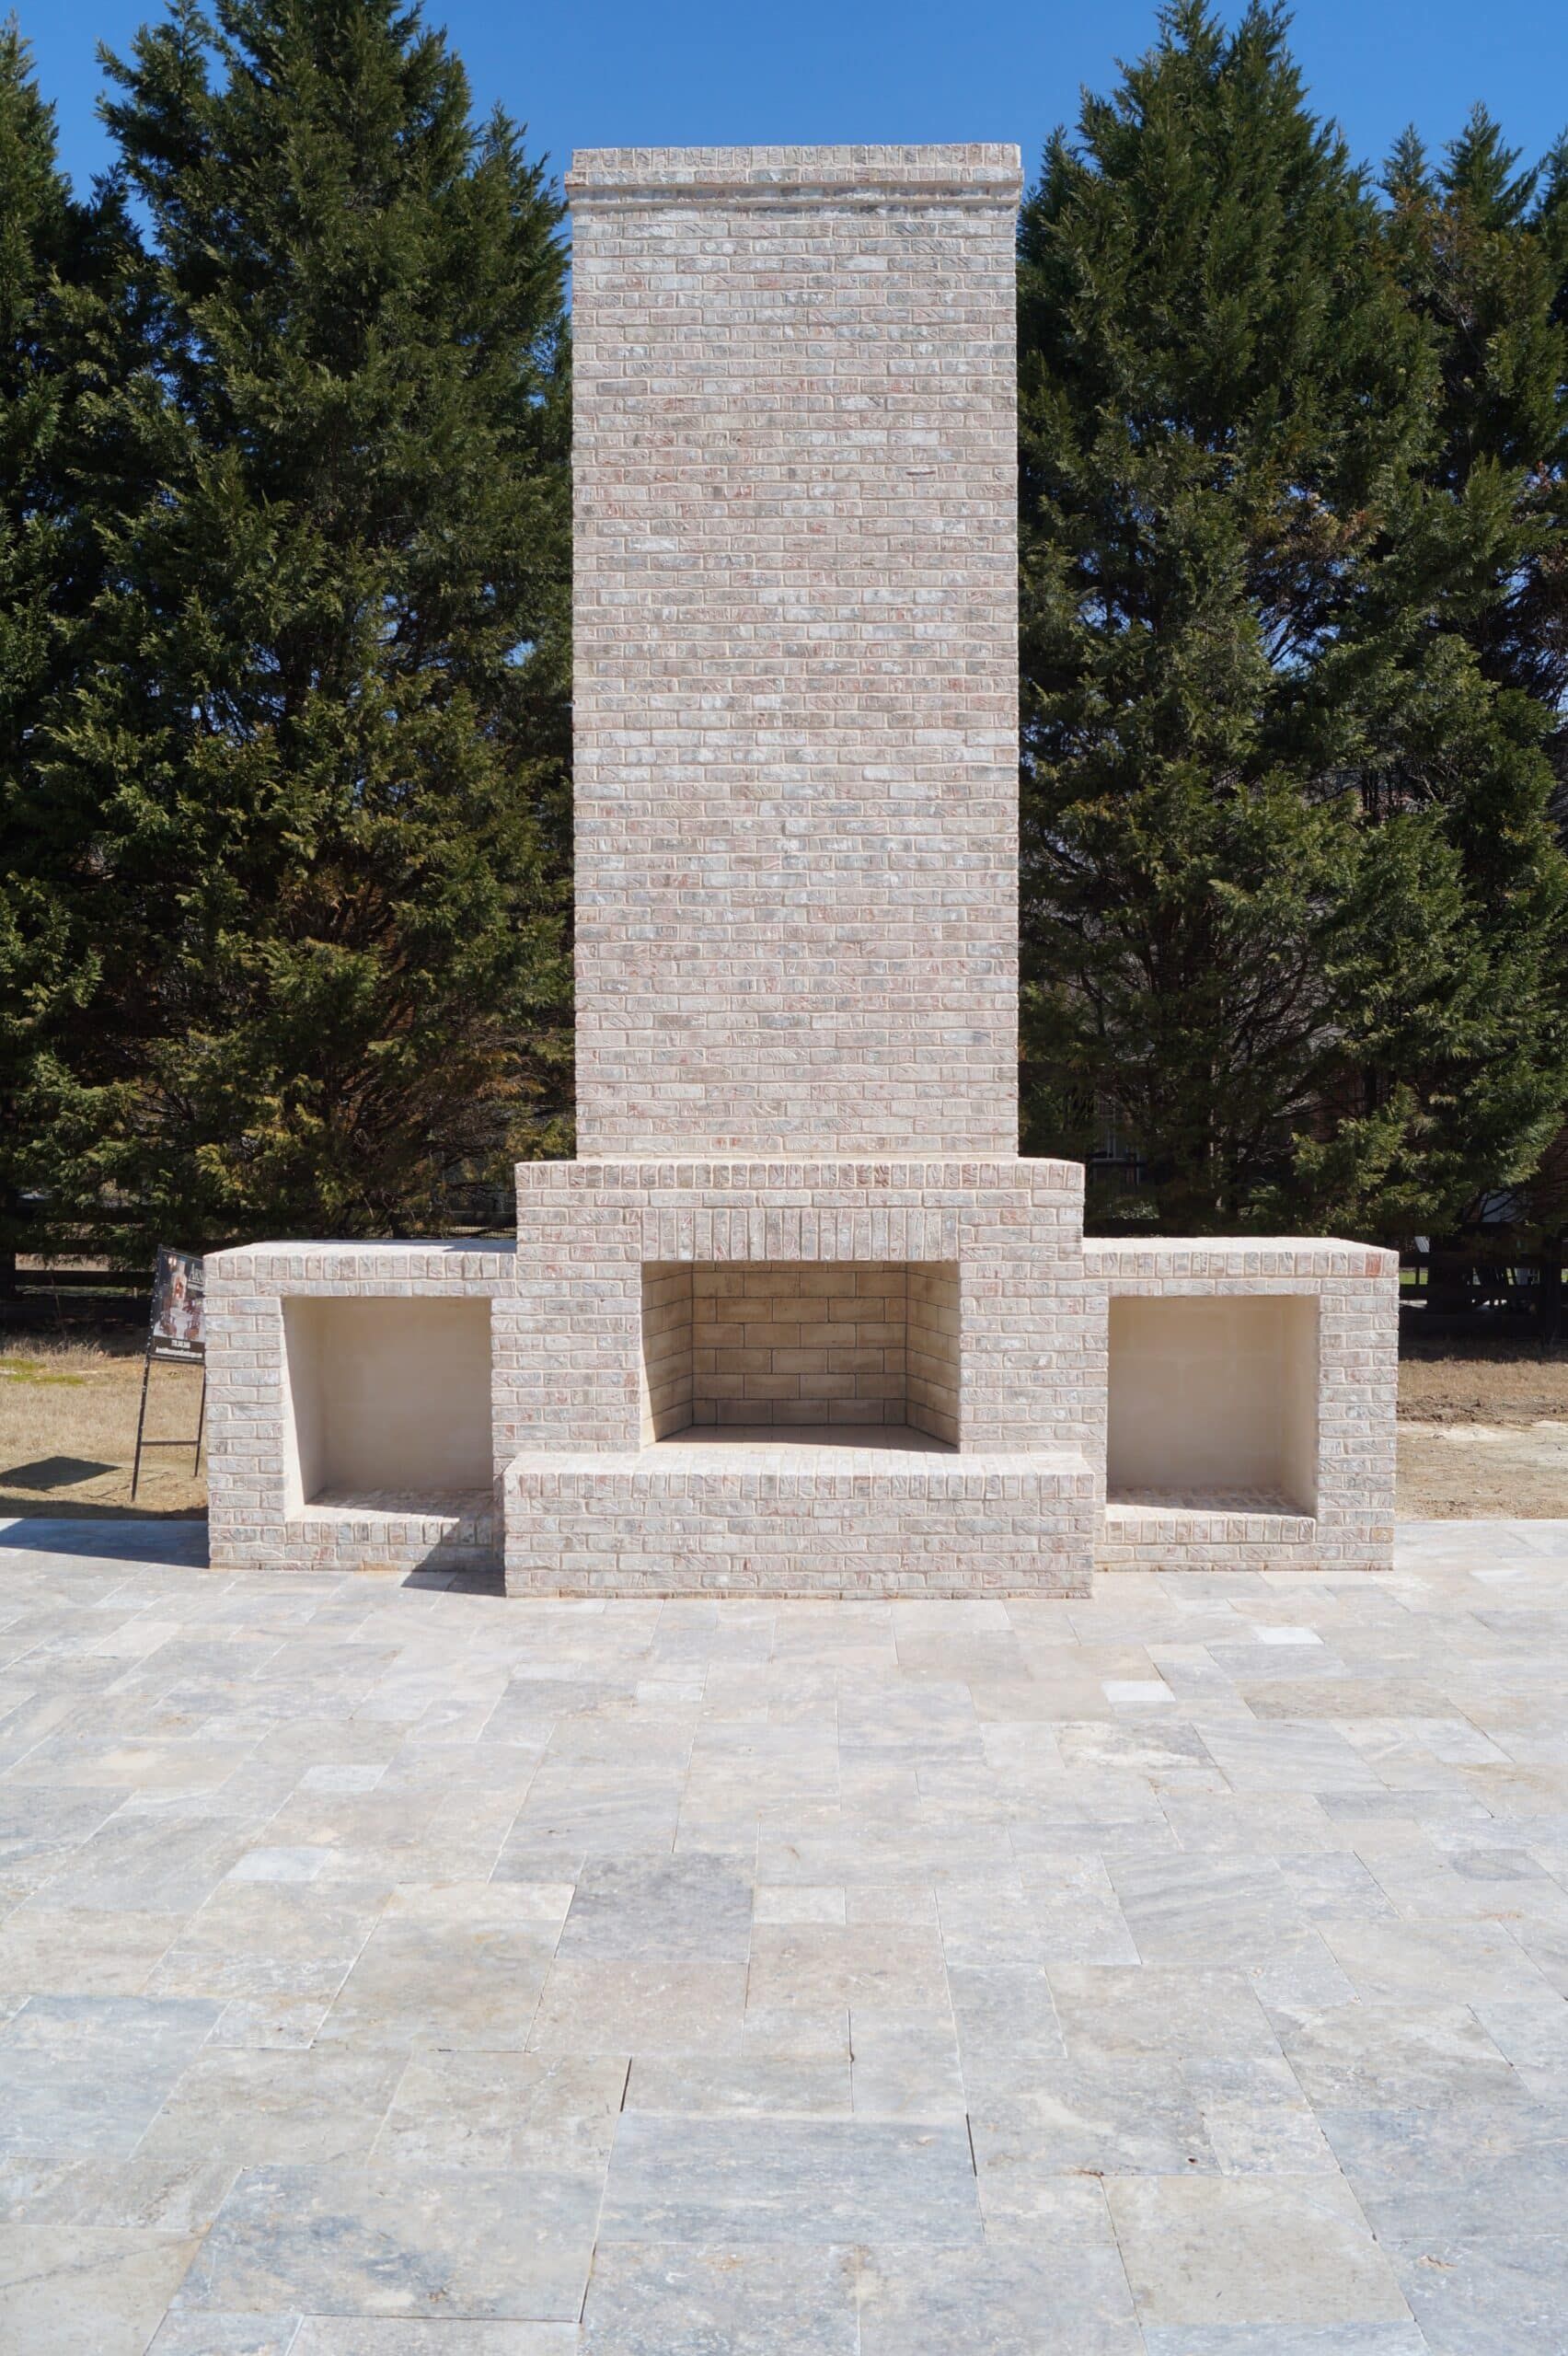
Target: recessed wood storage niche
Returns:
[797, 1347]
[1214, 1403]
[391, 1399]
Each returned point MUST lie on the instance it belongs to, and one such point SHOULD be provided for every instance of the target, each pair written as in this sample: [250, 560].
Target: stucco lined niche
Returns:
[388, 1397]
[1214, 1400]
[796, 1346]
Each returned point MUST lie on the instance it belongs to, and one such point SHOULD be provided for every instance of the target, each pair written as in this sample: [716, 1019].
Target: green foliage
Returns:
[1291, 898]
[69, 330]
[285, 559]
[1480, 250]
[307, 816]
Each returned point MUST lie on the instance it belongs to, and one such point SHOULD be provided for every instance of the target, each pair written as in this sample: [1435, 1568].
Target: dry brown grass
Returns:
[1479, 1434]
[68, 1430]
[1451, 1387]
[1483, 1431]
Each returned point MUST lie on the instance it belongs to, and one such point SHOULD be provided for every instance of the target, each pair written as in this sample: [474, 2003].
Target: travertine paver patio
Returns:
[387, 1968]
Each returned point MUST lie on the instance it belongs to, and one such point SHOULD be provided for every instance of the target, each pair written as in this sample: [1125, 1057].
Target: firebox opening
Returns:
[798, 1349]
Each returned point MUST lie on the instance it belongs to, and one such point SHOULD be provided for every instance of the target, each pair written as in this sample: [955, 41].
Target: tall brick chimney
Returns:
[795, 593]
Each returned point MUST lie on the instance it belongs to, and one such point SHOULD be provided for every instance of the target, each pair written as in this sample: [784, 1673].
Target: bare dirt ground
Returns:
[1483, 1431]
[68, 1429]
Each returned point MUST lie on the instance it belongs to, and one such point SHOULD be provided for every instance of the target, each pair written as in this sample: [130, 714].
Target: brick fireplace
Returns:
[799, 1319]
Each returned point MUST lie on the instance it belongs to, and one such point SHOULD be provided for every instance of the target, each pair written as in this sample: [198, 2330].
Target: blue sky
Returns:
[612, 73]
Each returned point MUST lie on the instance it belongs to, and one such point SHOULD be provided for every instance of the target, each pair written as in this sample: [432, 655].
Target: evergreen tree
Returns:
[1480, 249]
[68, 335]
[1290, 892]
[318, 779]
[1476, 247]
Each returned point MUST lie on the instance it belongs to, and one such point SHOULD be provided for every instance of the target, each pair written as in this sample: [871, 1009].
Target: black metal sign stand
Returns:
[178, 1338]
[141, 1420]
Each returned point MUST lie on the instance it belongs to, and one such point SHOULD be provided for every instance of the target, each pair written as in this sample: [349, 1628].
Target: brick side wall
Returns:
[796, 650]
[666, 1395]
[934, 1329]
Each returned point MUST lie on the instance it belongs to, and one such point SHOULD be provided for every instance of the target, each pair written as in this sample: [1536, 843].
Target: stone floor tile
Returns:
[458, 1964]
[1251, 2250]
[988, 1922]
[1253, 2138]
[898, 1904]
[1006, 2017]
[1300, 1974]
[1461, 1963]
[592, 2007]
[261, 1940]
[1059, 1693]
[299, 1864]
[1269, 1823]
[151, 2193]
[1272, 1757]
[193, 2335]
[1547, 1948]
[637, 1910]
[1397, 2057]
[1065, 2294]
[276, 2022]
[1448, 2148]
[155, 1863]
[503, 2110]
[312, 2107]
[1336, 1888]
[1100, 2118]
[41, 2188]
[1078, 1916]
[1531, 2033]
[746, 2084]
[1197, 1910]
[464, 2243]
[1286, 2339]
[71, 2291]
[97, 1953]
[818, 1964]
[40, 1827]
[1159, 2009]
[1478, 2289]
[820, 2034]
[905, 2065]
[631, 1814]
[652, 2299]
[89, 2074]
[1149, 1745]
[759, 2180]
[785, 1904]
[871, 1851]
[388, 2336]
